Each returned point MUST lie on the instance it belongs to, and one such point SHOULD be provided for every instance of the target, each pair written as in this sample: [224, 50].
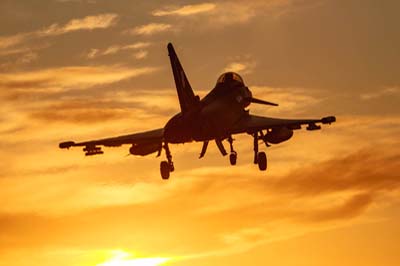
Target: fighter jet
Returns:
[217, 117]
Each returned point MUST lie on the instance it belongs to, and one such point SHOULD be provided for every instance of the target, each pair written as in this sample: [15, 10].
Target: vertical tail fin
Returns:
[187, 100]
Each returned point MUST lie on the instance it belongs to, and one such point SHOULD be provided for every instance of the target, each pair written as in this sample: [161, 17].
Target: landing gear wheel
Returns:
[165, 169]
[262, 161]
[233, 158]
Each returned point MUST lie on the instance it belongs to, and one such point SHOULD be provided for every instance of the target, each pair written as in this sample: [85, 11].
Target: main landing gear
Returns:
[166, 167]
[260, 158]
[233, 154]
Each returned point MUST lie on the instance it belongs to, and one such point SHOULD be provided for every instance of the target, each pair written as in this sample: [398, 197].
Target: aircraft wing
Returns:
[147, 141]
[253, 123]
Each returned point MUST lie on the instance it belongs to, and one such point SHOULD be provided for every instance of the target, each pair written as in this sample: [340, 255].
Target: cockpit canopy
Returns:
[229, 77]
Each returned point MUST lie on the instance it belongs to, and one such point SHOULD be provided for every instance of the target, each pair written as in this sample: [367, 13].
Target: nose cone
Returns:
[247, 92]
[247, 96]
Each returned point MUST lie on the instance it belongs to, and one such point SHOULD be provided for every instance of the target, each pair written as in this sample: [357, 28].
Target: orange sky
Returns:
[84, 69]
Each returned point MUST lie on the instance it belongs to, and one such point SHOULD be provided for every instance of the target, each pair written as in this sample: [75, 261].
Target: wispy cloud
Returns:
[8, 41]
[346, 174]
[289, 99]
[93, 53]
[186, 10]
[380, 93]
[28, 57]
[89, 110]
[73, 77]
[78, 1]
[150, 29]
[235, 67]
[225, 13]
[351, 208]
[84, 115]
[141, 54]
[240, 67]
[100, 21]
[118, 48]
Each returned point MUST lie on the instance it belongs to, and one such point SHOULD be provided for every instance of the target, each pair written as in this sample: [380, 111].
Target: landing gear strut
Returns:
[233, 155]
[260, 158]
[166, 167]
[255, 144]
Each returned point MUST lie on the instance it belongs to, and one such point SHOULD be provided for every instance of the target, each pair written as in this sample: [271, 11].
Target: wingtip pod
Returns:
[328, 120]
[66, 145]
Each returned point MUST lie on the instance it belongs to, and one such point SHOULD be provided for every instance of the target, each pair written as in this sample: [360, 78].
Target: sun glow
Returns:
[122, 258]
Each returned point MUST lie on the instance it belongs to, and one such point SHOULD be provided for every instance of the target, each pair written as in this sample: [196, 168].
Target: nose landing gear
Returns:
[233, 158]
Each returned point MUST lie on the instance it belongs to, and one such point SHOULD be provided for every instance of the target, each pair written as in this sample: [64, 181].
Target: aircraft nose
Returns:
[247, 92]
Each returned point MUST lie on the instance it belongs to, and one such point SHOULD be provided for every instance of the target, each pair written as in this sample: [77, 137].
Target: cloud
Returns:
[263, 211]
[338, 188]
[234, 12]
[93, 53]
[217, 14]
[240, 67]
[101, 21]
[235, 67]
[370, 171]
[13, 51]
[138, 45]
[225, 13]
[141, 54]
[118, 48]
[78, 1]
[296, 100]
[28, 58]
[89, 110]
[69, 78]
[79, 116]
[186, 10]
[23, 56]
[391, 91]
[351, 208]
[113, 49]
[150, 29]
[8, 41]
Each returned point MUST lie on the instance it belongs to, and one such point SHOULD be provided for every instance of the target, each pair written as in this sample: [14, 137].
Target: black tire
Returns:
[164, 170]
[233, 158]
[262, 161]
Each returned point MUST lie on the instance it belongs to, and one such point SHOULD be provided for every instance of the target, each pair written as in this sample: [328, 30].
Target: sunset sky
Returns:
[87, 69]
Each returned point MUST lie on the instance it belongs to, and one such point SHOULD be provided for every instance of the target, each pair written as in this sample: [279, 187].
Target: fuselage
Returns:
[215, 115]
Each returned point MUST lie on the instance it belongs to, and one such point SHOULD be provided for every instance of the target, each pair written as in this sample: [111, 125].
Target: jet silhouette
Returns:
[219, 115]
